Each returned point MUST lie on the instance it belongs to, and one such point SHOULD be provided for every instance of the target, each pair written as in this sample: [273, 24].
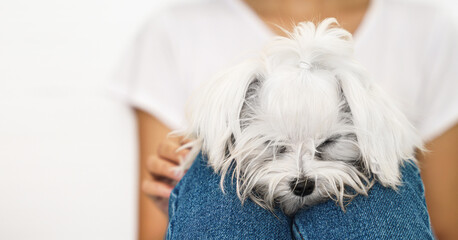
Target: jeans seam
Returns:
[297, 229]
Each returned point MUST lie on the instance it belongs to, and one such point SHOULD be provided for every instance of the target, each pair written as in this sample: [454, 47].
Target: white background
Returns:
[68, 164]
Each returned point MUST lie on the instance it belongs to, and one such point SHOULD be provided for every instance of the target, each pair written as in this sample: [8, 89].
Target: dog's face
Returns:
[297, 144]
[301, 124]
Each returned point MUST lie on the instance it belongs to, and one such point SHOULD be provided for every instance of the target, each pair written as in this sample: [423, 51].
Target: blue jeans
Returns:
[198, 209]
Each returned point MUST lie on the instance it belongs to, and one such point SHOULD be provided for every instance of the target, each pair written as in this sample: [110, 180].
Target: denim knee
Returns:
[198, 209]
[383, 214]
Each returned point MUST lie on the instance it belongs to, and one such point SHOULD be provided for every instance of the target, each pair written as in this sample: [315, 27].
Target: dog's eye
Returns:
[321, 148]
[326, 143]
[281, 149]
[329, 141]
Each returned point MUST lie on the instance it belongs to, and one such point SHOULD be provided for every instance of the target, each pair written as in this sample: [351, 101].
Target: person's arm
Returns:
[152, 222]
[440, 175]
[158, 157]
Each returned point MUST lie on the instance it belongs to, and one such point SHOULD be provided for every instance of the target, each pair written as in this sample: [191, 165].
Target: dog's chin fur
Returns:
[304, 109]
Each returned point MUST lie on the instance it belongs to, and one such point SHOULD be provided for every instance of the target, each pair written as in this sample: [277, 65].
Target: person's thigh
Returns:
[384, 214]
[198, 209]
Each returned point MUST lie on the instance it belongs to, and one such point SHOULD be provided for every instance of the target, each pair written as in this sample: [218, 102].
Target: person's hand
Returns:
[163, 174]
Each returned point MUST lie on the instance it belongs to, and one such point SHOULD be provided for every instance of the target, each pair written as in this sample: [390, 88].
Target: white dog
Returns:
[301, 123]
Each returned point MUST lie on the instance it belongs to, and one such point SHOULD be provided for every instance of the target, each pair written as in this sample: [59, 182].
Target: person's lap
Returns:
[198, 209]
[384, 214]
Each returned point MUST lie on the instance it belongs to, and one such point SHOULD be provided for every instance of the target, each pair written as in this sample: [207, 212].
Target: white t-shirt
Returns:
[409, 48]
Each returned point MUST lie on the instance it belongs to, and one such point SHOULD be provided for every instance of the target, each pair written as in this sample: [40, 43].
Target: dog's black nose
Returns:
[302, 187]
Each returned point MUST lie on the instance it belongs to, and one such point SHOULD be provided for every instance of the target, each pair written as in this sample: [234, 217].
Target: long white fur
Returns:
[298, 89]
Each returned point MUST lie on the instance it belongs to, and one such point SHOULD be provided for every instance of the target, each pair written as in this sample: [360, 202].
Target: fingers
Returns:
[159, 167]
[168, 150]
[164, 170]
[156, 189]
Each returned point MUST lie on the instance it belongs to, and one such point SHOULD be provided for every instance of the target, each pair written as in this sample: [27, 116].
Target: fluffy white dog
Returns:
[301, 123]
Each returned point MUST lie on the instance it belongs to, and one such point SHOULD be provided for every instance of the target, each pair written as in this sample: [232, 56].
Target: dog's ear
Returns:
[385, 136]
[214, 116]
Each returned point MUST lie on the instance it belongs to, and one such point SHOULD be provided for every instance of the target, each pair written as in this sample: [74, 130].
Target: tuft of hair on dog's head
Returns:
[301, 123]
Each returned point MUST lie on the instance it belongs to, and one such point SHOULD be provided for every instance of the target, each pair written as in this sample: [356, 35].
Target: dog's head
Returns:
[302, 123]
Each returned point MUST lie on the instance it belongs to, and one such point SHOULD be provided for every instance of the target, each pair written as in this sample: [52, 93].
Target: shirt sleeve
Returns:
[148, 77]
[440, 99]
